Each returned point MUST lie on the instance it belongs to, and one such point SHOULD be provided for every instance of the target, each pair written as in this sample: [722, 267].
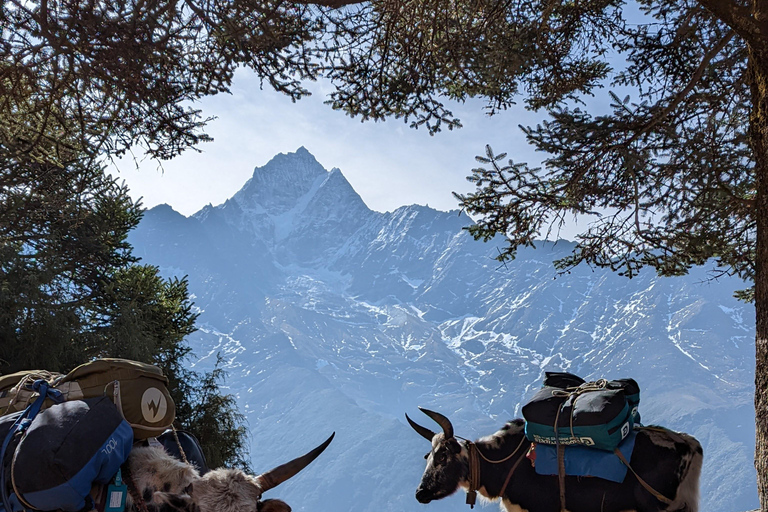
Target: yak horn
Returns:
[423, 431]
[441, 420]
[280, 474]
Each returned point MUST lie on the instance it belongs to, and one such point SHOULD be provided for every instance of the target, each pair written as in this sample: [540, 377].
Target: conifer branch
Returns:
[738, 17]
[711, 54]
[334, 4]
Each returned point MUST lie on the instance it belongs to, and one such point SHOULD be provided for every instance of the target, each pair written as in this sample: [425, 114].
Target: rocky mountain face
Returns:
[333, 317]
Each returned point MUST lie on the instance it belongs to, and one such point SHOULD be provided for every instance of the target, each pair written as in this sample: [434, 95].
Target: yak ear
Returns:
[273, 506]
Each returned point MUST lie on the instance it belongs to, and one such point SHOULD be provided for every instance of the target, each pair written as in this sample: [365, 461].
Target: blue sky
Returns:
[388, 163]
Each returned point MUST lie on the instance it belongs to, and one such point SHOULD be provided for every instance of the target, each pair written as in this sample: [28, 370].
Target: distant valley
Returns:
[334, 317]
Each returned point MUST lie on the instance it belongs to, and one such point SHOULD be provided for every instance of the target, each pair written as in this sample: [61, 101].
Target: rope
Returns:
[505, 459]
[138, 499]
[509, 475]
[576, 392]
[560, 461]
[19, 495]
[178, 443]
[648, 488]
[561, 475]
[474, 454]
[27, 382]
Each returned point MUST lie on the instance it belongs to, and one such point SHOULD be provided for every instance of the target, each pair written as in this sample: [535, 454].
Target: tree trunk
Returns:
[758, 76]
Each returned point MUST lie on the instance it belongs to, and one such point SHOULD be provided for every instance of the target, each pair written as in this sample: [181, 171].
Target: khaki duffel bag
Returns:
[139, 390]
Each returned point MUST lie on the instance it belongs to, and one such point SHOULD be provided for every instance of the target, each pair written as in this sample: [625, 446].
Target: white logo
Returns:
[153, 405]
[625, 430]
[110, 447]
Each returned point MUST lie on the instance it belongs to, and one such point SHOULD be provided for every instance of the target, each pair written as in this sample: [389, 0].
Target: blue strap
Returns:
[20, 426]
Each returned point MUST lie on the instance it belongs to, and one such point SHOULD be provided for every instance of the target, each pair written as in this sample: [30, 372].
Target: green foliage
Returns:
[404, 58]
[116, 75]
[214, 419]
[62, 232]
[71, 291]
[666, 181]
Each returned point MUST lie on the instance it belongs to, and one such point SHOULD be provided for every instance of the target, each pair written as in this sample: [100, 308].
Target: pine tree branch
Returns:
[711, 54]
[739, 18]
[334, 4]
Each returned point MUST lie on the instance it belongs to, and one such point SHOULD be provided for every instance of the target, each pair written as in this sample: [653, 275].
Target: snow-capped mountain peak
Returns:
[332, 317]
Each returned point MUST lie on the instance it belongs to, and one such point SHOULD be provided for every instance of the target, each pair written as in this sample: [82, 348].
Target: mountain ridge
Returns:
[355, 317]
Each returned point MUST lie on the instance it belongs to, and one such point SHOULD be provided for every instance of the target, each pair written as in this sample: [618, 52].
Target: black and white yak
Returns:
[668, 463]
[158, 482]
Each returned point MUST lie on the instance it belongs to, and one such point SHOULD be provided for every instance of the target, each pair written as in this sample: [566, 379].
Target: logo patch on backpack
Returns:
[153, 405]
[625, 429]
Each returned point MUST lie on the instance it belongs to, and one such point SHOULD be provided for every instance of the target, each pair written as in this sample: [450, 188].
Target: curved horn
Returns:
[441, 420]
[280, 474]
[423, 431]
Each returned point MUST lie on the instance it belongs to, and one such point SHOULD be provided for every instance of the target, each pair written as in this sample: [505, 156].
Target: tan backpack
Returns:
[139, 390]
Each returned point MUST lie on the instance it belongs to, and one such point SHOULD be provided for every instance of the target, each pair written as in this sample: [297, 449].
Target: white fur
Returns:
[512, 507]
[152, 468]
[220, 490]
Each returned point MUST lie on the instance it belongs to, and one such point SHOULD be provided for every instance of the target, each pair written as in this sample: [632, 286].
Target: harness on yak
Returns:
[569, 414]
[474, 468]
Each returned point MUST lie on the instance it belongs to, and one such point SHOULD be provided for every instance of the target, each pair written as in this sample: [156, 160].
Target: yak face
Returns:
[221, 490]
[447, 462]
[169, 485]
[231, 490]
[446, 469]
[226, 490]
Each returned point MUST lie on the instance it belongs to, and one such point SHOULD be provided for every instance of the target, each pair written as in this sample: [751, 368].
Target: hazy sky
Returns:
[389, 164]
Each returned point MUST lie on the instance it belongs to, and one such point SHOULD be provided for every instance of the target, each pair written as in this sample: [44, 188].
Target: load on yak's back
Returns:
[569, 411]
[581, 447]
[101, 438]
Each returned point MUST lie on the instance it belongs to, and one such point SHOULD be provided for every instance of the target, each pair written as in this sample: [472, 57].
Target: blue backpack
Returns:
[50, 459]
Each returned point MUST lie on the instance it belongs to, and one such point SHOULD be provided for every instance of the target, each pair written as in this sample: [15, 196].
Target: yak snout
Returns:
[423, 495]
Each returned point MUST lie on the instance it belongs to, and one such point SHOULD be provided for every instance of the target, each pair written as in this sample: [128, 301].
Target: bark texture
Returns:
[759, 135]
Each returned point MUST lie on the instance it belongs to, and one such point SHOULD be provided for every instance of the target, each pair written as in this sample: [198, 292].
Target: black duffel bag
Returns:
[51, 462]
[568, 410]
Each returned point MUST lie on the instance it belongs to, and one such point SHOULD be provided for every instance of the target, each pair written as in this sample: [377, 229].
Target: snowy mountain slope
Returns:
[333, 317]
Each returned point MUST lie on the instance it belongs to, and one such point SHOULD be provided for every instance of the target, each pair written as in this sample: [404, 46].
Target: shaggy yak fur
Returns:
[169, 485]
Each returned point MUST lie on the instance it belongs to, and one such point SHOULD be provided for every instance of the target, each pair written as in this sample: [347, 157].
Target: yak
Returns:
[664, 473]
[159, 482]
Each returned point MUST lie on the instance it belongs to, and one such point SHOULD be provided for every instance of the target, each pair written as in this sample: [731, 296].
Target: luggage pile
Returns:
[62, 434]
[570, 411]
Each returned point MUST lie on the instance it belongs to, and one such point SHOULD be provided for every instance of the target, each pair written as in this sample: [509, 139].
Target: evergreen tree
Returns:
[121, 76]
[81, 83]
[70, 291]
